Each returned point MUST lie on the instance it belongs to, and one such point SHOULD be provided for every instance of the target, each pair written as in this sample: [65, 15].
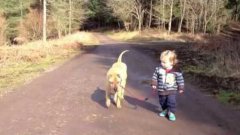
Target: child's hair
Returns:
[169, 55]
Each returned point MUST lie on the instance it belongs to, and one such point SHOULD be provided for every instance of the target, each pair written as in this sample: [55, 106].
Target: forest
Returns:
[24, 18]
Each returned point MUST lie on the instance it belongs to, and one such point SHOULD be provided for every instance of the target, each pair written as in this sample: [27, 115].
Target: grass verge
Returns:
[153, 35]
[20, 64]
[229, 97]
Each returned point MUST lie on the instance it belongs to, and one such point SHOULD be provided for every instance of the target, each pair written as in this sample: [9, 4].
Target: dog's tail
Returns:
[120, 56]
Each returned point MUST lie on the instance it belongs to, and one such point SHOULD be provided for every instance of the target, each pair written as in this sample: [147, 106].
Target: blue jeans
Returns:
[168, 102]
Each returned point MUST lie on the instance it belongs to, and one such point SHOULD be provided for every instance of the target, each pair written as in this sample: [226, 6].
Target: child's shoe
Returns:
[171, 116]
[163, 113]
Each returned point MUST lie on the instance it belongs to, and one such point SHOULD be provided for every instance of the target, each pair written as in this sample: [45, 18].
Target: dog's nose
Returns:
[115, 89]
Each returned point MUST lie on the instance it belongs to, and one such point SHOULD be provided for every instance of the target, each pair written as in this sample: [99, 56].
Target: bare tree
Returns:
[193, 10]
[221, 16]
[183, 9]
[150, 14]
[163, 14]
[77, 14]
[211, 9]
[205, 15]
[125, 12]
[200, 15]
[65, 16]
[139, 13]
[44, 21]
[170, 17]
[159, 12]
[193, 21]
[70, 17]
[129, 9]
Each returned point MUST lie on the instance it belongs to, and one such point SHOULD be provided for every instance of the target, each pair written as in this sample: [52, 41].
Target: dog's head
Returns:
[114, 81]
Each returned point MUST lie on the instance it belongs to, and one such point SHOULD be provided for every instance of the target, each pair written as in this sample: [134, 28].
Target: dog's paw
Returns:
[108, 103]
[115, 97]
[119, 106]
[122, 97]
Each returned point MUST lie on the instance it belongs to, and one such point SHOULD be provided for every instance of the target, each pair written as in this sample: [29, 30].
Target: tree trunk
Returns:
[205, 28]
[44, 22]
[187, 24]
[140, 20]
[163, 12]
[200, 18]
[139, 24]
[218, 29]
[139, 14]
[170, 19]
[119, 25]
[59, 29]
[182, 16]
[236, 11]
[150, 16]
[159, 23]
[70, 17]
[59, 33]
[215, 29]
[205, 21]
[193, 24]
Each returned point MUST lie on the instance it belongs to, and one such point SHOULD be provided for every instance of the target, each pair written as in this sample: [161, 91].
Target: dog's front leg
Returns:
[121, 93]
[122, 87]
[118, 102]
[116, 99]
[108, 101]
[119, 97]
[115, 96]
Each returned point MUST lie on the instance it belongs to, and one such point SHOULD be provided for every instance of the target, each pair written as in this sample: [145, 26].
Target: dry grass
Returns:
[226, 54]
[3, 26]
[33, 51]
[18, 64]
[79, 37]
[123, 35]
[155, 35]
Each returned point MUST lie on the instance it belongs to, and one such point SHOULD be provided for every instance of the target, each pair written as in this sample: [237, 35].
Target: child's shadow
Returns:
[99, 97]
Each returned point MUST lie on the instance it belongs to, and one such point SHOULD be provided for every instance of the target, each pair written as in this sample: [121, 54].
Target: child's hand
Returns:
[181, 91]
[154, 87]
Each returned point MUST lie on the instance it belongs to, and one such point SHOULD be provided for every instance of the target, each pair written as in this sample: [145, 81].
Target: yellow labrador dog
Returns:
[116, 81]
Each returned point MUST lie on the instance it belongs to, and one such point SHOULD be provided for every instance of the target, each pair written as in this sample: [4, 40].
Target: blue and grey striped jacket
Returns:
[167, 82]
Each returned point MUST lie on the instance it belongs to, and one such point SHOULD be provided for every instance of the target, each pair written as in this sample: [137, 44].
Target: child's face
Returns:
[167, 64]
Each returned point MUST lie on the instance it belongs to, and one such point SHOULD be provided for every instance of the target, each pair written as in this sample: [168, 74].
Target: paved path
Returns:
[70, 101]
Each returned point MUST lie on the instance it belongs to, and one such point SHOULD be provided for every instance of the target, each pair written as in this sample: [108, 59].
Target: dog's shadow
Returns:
[99, 97]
